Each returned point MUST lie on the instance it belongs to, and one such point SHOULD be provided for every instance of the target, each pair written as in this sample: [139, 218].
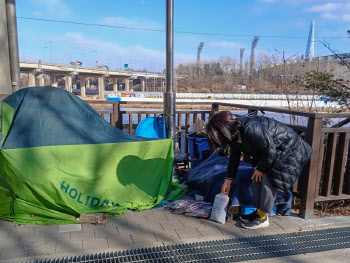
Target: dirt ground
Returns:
[328, 208]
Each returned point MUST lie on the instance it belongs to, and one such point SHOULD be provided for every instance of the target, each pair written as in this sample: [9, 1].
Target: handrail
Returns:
[263, 108]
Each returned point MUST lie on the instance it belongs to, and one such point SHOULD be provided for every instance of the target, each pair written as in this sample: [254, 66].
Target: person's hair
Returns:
[222, 129]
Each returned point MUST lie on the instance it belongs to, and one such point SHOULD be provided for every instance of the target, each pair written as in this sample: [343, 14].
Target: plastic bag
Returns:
[192, 129]
[218, 213]
[175, 204]
[203, 212]
[191, 208]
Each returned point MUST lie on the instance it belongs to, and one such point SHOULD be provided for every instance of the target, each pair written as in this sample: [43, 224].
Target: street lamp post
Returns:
[45, 53]
[169, 95]
[51, 49]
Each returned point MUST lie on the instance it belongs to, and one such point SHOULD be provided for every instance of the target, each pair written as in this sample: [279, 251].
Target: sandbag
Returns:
[218, 213]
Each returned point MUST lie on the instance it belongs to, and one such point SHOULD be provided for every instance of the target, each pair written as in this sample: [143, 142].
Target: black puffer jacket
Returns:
[277, 150]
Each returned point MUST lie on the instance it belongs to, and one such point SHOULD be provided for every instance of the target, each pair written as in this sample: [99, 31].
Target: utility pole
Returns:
[169, 95]
[9, 56]
[5, 73]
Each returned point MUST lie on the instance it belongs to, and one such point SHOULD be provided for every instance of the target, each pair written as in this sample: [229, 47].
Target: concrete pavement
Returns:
[155, 227]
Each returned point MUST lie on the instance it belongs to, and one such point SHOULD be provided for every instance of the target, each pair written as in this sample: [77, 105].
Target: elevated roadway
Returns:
[38, 70]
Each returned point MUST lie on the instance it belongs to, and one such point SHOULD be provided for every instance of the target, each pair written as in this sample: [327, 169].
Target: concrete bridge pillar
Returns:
[82, 86]
[68, 84]
[54, 81]
[143, 84]
[115, 85]
[101, 88]
[88, 83]
[31, 80]
[41, 80]
[127, 85]
[131, 85]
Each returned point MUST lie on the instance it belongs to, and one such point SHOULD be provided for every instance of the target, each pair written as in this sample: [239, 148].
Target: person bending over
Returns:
[278, 156]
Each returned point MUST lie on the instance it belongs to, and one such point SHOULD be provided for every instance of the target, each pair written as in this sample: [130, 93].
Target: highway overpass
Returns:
[38, 70]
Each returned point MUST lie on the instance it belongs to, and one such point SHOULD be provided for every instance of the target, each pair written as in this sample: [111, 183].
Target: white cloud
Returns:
[327, 7]
[346, 17]
[54, 8]
[224, 45]
[137, 56]
[332, 10]
[132, 22]
[342, 17]
[73, 46]
[328, 15]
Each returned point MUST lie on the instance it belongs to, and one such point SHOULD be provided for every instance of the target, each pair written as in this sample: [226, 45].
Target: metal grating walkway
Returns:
[227, 250]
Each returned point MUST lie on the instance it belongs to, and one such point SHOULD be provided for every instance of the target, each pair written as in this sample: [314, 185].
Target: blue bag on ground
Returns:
[207, 179]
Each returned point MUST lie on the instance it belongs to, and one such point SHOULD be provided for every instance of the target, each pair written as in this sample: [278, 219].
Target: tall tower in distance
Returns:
[241, 53]
[310, 48]
[199, 50]
[254, 43]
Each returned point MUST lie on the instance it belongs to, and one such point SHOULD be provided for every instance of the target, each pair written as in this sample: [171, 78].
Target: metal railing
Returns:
[325, 177]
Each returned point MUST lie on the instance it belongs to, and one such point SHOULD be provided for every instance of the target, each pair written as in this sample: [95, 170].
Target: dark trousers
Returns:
[264, 194]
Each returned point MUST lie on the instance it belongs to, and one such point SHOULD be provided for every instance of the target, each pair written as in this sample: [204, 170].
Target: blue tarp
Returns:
[207, 178]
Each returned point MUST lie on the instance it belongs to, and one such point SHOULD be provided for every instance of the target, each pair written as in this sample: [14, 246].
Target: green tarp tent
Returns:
[60, 159]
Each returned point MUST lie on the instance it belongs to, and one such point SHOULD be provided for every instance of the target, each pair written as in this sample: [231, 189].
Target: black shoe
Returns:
[249, 217]
[257, 223]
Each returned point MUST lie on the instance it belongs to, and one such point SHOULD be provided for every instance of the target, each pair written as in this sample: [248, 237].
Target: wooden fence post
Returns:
[117, 117]
[214, 107]
[311, 170]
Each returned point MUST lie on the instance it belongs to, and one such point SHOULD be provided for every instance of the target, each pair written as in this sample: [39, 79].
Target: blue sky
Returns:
[279, 23]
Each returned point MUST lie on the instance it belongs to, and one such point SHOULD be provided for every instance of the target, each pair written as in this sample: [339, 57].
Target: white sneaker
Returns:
[257, 223]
